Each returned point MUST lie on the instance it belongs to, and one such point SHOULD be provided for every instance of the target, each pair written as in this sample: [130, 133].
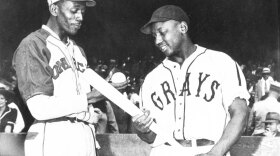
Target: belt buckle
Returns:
[193, 142]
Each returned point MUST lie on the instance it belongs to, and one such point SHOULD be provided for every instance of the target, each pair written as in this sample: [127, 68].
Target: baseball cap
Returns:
[118, 77]
[89, 3]
[272, 117]
[165, 13]
[266, 70]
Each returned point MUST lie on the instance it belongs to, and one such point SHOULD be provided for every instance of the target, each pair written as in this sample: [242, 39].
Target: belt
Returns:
[71, 119]
[199, 142]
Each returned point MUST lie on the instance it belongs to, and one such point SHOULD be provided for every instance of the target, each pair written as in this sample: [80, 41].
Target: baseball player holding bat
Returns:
[49, 66]
[196, 94]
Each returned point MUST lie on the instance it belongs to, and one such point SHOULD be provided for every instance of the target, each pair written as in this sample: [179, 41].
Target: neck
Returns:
[55, 28]
[186, 49]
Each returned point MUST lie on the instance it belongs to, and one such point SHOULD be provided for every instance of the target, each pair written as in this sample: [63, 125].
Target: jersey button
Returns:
[179, 130]
[180, 118]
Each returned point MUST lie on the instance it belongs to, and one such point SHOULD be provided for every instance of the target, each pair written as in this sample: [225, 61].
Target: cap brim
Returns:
[90, 3]
[147, 28]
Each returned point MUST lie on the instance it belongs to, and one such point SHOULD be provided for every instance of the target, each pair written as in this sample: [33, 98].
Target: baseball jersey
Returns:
[191, 101]
[47, 66]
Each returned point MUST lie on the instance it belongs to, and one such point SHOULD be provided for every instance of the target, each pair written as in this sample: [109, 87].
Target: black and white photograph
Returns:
[139, 78]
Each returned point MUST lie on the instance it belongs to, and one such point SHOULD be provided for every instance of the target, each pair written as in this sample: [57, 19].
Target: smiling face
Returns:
[168, 37]
[70, 16]
[3, 101]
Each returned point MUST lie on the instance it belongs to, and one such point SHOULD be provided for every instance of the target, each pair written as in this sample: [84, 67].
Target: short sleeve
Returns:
[33, 72]
[233, 82]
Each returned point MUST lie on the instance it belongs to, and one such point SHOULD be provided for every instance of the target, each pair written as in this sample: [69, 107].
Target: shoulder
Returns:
[154, 74]
[218, 55]
[33, 44]
[35, 40]
[38, 36]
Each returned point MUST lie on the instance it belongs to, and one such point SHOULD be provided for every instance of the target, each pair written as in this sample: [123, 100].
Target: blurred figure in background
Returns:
[106, 119]
[10, 117]
[261, 108]
[272, 125]
[263, 85]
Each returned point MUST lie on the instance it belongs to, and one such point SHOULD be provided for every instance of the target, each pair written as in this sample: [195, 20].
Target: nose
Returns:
[158, 39]
[79, 16]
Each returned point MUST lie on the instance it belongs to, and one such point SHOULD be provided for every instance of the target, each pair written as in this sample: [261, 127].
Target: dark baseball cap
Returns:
[272, 117]
[166, 13]
[89, 3]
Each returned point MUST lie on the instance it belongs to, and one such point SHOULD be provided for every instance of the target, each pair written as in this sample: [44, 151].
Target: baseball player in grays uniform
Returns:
[49, 66]
[195, 94]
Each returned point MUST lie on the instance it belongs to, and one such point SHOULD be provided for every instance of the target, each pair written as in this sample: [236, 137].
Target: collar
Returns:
[48, 29]
[188, 60]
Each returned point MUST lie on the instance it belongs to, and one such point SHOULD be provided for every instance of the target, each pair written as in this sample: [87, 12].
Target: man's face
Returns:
[167, 36]
[70, 16]
[271, 128]
[265, 76]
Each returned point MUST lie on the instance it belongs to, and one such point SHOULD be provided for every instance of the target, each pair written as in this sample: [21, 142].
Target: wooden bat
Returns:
[120, 100]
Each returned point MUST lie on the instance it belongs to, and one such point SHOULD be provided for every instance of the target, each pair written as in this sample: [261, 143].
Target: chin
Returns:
[72, 31]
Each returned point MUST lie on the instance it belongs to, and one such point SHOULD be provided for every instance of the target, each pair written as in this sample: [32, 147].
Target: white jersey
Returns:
[191, 101]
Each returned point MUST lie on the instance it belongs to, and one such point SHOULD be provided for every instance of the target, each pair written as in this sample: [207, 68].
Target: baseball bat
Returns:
[120, 100]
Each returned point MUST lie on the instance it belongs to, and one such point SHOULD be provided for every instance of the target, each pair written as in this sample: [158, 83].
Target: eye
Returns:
[162, 33]
[74, 11]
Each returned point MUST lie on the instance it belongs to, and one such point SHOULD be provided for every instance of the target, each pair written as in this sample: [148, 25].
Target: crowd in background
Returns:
[113, 119]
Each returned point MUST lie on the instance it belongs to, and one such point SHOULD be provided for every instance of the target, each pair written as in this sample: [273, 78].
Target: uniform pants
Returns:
[62, 138]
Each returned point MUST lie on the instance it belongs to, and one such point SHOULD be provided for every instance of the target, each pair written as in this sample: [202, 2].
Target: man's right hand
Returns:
[142, 122]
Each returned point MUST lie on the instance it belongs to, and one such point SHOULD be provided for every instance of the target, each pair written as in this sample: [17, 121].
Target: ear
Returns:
[53, 8]
[183, 27]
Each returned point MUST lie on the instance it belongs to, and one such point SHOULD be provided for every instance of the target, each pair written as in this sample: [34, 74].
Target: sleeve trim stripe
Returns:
[238, 75]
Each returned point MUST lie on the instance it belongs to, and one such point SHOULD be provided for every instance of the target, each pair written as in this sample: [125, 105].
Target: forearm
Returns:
[44, 107]
[231, 134]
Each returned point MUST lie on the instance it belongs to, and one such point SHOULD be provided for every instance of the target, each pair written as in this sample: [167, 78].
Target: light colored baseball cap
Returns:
[89, 3]
[118, 77]
[266, 70]
[165, 13]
